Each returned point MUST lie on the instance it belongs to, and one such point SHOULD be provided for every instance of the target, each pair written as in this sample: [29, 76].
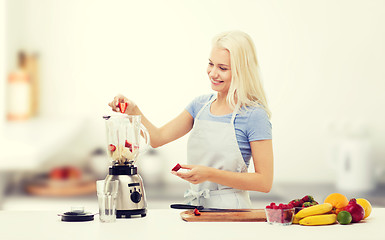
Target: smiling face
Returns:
[219, 70]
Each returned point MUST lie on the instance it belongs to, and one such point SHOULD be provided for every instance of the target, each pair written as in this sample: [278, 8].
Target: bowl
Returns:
[297, 209]
[280, 216]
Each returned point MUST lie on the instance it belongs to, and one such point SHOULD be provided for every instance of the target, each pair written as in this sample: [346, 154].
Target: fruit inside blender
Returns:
[123, 154]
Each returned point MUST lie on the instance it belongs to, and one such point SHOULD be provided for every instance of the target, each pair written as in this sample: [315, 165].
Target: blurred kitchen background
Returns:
[62, 61]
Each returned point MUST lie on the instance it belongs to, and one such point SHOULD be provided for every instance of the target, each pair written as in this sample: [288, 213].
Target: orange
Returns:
[338, 201]
[366, 205]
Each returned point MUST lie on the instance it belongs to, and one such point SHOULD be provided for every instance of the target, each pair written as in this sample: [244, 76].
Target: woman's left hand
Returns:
[197, 173]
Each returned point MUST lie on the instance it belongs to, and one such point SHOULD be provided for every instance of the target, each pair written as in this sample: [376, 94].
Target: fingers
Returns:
[188, 176]
[184, 175]
[115, 103]
[189, 167]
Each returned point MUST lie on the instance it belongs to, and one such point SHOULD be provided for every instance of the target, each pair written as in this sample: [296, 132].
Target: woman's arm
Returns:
[261, 180]
[171, 131]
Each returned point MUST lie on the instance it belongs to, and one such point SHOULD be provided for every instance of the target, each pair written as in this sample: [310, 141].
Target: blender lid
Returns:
[77, 216]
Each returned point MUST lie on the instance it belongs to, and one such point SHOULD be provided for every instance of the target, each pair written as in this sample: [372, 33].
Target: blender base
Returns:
[131, 213]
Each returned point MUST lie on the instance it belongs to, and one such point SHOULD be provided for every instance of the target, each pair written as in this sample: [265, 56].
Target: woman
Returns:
[228, 128]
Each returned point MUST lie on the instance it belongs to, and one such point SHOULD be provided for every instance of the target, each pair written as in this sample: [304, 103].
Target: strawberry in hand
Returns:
[123, 107]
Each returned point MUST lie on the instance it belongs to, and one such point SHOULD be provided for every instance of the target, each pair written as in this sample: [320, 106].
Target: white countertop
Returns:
[167, 224]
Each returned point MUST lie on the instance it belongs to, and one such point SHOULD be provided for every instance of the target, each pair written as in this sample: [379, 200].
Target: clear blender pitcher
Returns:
[124, 138]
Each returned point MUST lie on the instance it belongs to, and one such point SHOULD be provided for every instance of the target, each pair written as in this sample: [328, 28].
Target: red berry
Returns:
[111, 147]
[196, 212]
[128, 145]
[123, 107]
[176, 168]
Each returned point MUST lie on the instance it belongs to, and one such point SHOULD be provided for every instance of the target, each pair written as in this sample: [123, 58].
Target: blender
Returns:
[124, 145]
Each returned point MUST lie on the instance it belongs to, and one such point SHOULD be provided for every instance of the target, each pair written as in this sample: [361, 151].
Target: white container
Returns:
[355, 169]
[18, 96]
[19, 92]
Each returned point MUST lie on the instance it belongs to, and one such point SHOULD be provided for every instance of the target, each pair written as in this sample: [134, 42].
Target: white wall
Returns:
[322, 64]
[2, 63]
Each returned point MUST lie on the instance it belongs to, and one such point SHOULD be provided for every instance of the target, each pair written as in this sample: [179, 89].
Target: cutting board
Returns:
[253, 215]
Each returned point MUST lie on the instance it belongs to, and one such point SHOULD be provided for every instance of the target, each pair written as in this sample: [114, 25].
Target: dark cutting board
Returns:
[253, 215]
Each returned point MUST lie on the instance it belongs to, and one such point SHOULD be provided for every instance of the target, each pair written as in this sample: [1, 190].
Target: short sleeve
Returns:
[195, 105]
[258, 125]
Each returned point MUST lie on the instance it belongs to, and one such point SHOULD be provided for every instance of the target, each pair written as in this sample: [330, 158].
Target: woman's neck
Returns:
[221, 99]
[220, 105]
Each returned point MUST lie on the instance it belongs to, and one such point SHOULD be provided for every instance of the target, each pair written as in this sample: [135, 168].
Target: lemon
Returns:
[344, 217]
[366, 205]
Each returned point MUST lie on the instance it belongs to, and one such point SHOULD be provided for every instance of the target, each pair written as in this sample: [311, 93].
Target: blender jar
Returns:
[123, 138]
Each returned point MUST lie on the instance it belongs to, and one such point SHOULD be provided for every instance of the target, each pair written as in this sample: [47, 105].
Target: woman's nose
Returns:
[213, 72]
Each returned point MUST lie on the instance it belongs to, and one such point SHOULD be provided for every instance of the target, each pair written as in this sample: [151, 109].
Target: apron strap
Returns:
[212, 100]
[207, 103]
[234, 115]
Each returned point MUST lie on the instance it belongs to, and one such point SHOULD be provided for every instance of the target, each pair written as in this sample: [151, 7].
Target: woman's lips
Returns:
[215, 82]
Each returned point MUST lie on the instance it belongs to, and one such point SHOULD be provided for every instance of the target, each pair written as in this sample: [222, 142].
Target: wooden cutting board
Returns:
[253, 215]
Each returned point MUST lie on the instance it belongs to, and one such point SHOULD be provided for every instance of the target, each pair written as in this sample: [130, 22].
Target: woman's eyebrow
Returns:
[220, 64]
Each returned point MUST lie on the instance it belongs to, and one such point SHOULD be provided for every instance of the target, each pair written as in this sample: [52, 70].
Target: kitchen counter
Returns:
[167, 224]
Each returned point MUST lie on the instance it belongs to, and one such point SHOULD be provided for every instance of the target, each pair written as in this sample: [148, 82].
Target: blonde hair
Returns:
[246, 87]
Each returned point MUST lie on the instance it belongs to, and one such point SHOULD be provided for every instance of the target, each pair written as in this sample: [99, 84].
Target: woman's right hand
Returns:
[131, 106]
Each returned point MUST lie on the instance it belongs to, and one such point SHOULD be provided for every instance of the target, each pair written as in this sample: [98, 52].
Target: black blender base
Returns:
[131, 213]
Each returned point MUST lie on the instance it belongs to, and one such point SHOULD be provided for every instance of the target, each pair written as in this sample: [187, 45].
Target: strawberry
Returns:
[123, 107]
[176, 168]
[128, 145]
[296, 202]
[196, 212]
[308, 204]
[307, 198]
[112, 147]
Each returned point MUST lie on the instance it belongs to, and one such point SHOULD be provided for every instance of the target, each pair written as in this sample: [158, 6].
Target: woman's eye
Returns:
[211, 64]
[222, 68]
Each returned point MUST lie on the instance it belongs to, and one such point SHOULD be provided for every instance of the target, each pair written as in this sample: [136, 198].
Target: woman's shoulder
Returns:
[197, 103]
[258, 125]
[255, 112]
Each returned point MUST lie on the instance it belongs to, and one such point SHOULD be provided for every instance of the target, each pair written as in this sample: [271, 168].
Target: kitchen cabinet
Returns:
[167, 224]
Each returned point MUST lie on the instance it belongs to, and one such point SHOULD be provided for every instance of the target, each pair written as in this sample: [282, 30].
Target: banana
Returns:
[323, 219]
[313, 210]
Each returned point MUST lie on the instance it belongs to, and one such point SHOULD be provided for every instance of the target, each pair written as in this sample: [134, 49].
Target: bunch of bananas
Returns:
[316, 215]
